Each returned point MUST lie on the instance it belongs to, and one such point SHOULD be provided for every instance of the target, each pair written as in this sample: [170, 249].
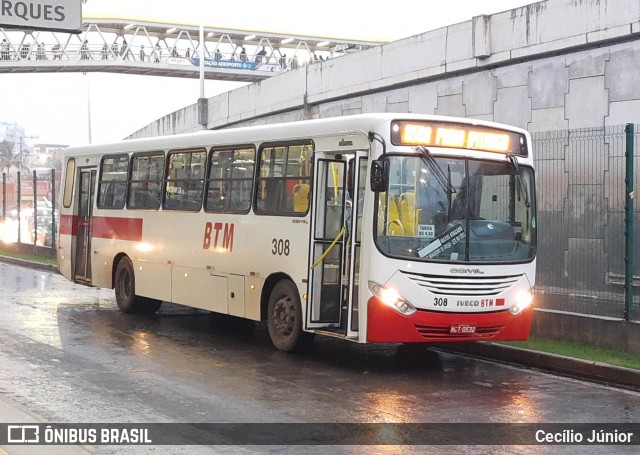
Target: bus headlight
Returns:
[523, 300]
[391, 298]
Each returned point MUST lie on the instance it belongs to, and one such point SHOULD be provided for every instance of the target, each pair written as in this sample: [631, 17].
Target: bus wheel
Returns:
[125, 287]
[284, 318]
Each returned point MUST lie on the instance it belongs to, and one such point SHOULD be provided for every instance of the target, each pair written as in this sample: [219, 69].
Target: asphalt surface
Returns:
[68, 355]
[582, 369]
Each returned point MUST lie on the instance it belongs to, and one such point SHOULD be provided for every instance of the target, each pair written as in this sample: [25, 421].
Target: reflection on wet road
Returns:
[67, 354]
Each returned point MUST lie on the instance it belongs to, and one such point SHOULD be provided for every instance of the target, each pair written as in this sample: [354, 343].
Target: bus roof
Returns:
[274, 132]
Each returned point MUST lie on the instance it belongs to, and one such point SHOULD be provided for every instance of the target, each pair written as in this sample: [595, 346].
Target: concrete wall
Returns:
[551, 65]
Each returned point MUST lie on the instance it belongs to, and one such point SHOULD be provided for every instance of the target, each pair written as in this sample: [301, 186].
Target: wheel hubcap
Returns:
[125, 285]
[284, 316]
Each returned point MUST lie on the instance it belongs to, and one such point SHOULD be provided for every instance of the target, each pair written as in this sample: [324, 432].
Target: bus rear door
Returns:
[86, 190]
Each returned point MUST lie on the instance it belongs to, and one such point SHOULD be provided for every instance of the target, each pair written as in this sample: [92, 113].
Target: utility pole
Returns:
[20, 151]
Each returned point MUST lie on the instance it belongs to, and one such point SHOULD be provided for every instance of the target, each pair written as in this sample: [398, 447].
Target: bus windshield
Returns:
[457, 210]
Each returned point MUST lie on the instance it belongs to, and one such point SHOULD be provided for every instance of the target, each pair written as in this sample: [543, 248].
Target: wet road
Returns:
[67, 354]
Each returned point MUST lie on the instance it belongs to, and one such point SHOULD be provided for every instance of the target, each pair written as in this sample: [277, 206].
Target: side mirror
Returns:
[379, 175]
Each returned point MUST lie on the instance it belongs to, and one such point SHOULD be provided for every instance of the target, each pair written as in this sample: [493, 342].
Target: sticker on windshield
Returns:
[427, 231]
[443, 243]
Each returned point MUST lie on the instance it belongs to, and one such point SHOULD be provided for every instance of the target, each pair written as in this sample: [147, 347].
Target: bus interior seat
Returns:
[301, 197]
[394, 224]
[408, 213]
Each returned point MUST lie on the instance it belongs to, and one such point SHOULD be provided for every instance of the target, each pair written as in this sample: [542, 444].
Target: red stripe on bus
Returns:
[105, 227]
[69, 224]
[111, 227]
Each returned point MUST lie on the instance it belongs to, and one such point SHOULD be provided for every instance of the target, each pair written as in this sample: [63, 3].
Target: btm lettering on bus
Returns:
[218, 237]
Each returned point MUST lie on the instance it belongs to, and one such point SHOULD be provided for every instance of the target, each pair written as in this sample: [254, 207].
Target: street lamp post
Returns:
[203, 111]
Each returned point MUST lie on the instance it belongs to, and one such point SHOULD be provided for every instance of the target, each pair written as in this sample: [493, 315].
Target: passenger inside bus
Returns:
[433, 200]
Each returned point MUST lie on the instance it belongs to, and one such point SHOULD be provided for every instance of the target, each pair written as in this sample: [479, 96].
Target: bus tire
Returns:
[125, 289]
[284, 318]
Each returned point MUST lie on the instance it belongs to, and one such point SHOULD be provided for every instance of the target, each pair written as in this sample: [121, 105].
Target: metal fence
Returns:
[580, 183]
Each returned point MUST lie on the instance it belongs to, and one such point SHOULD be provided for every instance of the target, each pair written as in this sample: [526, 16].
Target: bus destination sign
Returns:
[458, 135]
[64, 15]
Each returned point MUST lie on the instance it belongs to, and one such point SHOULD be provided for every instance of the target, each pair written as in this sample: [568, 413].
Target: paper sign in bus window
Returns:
[444, 242]
[427, 231]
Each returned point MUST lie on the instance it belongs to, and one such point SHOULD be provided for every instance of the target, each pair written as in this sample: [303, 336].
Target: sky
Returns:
[54, 108]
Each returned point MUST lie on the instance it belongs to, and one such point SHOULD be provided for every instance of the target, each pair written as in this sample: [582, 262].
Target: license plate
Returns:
[462, 329]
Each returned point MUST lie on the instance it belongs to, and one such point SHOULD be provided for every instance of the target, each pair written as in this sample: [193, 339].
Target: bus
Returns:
[397, 228]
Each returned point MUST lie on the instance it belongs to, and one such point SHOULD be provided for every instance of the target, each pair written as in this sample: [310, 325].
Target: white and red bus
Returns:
[372, 228]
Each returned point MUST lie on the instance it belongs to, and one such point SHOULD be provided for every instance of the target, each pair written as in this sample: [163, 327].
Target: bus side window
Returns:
[185, 181]
[69, 176]
[145, 181]
[230, 180]
[112, 185]
[285, 170]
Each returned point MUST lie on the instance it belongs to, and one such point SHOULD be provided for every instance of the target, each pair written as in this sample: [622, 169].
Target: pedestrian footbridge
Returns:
[160, 49]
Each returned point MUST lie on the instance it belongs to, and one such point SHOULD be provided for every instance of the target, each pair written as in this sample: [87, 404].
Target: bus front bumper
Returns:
[386, 325]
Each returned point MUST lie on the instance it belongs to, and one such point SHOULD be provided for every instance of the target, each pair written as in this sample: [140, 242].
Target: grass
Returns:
[579, 350]
[8, 251]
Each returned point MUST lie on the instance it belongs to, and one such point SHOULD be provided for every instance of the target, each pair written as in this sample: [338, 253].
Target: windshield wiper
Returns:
[436, 170]
[513, 161]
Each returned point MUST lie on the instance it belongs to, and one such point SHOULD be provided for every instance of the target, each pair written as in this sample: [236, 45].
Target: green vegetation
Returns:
[8, 251]
[7, 159]
[580, 351]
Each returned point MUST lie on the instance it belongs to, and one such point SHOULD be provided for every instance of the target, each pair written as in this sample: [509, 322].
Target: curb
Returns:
[11, 412]
[29, 264]
[566, 366]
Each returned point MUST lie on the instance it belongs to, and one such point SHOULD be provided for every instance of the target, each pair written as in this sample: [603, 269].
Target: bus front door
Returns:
[334, 277]
[86, 188]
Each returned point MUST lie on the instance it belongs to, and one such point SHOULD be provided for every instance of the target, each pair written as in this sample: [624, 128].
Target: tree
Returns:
[6, 156]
